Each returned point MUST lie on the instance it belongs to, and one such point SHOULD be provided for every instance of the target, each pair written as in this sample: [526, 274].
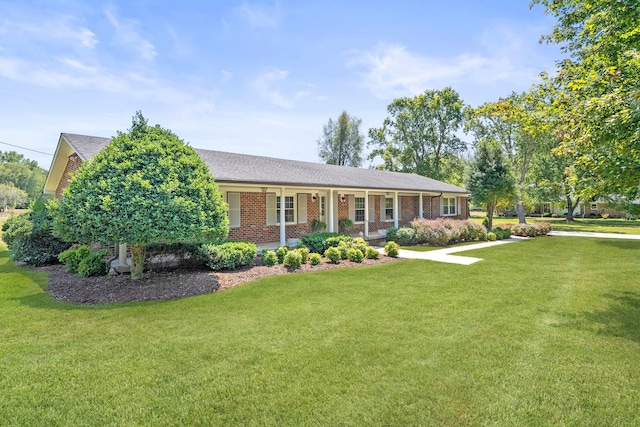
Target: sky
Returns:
[254, 77]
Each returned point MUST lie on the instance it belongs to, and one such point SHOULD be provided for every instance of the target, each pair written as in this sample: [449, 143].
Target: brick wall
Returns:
[73, 163]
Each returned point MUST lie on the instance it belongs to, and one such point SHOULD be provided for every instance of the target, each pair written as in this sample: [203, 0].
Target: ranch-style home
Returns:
[273, 200]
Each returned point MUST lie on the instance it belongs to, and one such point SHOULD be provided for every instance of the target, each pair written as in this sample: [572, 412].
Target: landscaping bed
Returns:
[168, 285]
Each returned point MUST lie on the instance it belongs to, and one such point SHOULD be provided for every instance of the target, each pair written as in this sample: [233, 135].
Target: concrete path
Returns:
[444, 255]
[591, 234]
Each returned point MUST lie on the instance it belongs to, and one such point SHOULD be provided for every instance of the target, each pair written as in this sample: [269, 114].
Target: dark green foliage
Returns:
[501, 233]
[355, 255]
[293, 259]
[333, 255]
[335, 241]
[281, 252]
[228, 255]
[317, 242]
[391, 233]
[315, 259]
[145, 186]
[73, 256]
[269, 258]
[371, 253]
[392, 249]
[94, 264]
[30, 238]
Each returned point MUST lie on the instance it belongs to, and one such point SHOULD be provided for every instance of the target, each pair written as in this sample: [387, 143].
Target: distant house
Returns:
[272, 200]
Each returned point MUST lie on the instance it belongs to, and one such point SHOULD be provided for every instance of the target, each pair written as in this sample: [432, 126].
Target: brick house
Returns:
[255, 188]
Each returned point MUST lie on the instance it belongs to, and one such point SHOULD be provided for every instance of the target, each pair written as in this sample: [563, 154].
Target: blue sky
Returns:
[257, 77]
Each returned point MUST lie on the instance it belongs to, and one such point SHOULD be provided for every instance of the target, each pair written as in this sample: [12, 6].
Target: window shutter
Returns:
[302, 208]
[271, 209]
[233, 199]
[383, 209]
[372, 208]
[352, 208]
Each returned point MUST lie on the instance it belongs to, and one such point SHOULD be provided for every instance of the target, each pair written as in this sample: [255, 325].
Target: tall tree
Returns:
[11, 196]
[597, 92]
[489, 178]
[341, 142]
[145, 186]
[519, 127]
[22, 173]
[419, 133]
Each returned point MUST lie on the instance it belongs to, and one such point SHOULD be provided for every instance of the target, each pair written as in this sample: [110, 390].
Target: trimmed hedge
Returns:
[316, 242]
[438, 232]
[228, 255]
[531, 230]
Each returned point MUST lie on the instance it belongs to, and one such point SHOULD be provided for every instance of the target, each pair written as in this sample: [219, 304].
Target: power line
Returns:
[24, 148]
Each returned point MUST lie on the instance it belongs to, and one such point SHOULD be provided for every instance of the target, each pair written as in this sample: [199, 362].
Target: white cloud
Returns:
[261, 16]
[127, 34]
[55, 28]
[390, 70]
[271, 84]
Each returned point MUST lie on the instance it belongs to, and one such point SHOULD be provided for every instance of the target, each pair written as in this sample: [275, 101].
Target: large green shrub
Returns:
[145, 186]
[405, 236]
[315, 241]
[334, 241]
[501, 233]
[30, 239]
[228, 255]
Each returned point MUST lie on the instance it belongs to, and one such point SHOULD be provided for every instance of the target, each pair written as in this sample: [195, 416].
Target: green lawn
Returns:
[542, 332]
[595, 225]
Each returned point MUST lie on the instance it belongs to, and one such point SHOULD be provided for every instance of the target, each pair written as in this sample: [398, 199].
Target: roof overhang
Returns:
[58, 165]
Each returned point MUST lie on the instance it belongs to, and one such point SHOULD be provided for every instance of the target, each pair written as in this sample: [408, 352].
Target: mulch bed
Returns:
[167, 285]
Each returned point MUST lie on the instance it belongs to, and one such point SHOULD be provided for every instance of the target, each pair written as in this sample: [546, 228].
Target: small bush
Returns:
[315, 259]
[485, 222]
[269, 258]
[293, 259]
[605, 216]
[344, 247]
[546, 214]
[93, 264]
[392, 249]
[491, 236]
[73, 256]
[355, 255]
[228, 255]
[554, 215]
[304, 252]
[281, 252]
[333, 255]
[501, 233]
[371, 253]
[360, 244]
[391, 234]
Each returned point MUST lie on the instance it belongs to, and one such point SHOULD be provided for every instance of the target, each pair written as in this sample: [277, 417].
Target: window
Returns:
[233, 199]
[289, 210]
[448, 206]
[388, 208]
[594, 206]
[359, 202]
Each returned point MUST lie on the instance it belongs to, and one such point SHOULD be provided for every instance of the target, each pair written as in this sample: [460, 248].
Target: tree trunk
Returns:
[571, 205]
[520, 207]
[137, 261]
[490, 208]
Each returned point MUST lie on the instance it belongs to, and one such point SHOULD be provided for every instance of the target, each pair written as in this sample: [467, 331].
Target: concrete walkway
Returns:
[444, 255]
[591, 234]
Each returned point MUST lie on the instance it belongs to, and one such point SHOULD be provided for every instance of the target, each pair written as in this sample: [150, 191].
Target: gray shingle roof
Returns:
[244, 168]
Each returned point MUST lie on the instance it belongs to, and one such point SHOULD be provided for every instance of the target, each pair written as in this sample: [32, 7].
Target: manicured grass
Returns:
[594, 225]
[542, 332]
[421, 248]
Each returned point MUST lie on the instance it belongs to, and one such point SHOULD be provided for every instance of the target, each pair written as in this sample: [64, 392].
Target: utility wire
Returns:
[24, 148]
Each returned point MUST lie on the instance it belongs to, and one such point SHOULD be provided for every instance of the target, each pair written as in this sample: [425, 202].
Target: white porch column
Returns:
[283, 227]
[366, 214]
[330, 211]
[421, 207]
[396, 214]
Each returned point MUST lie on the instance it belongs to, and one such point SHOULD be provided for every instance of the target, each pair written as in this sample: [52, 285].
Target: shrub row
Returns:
[531, 230]
[438, 232]
[320, 242]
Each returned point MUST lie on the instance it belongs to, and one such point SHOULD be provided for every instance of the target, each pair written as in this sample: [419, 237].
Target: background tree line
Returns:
[573, 136]
[21, 180]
